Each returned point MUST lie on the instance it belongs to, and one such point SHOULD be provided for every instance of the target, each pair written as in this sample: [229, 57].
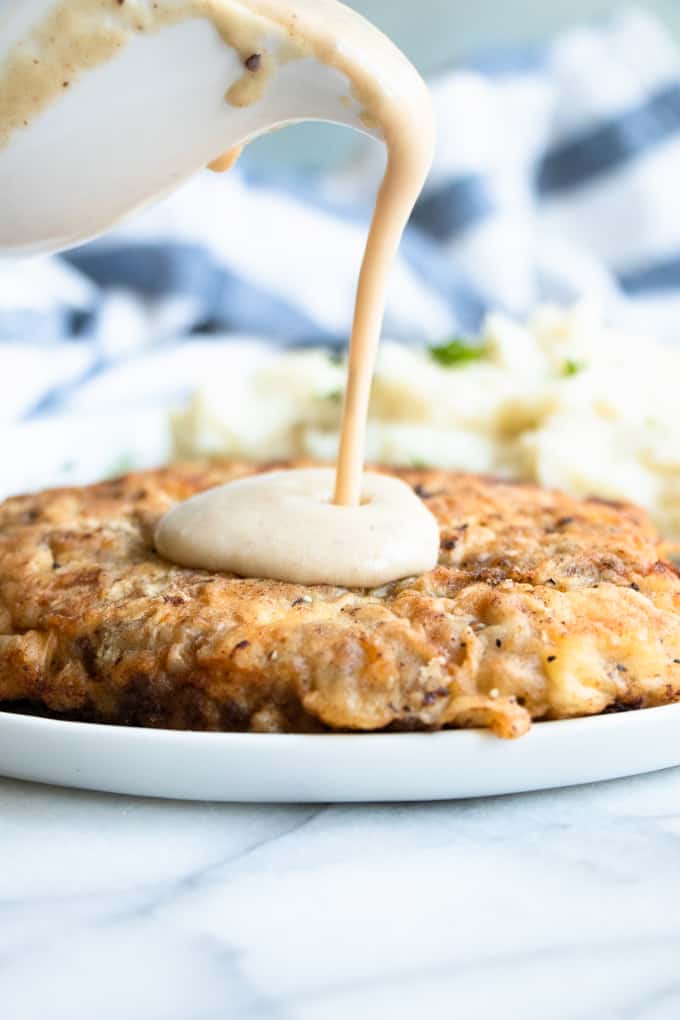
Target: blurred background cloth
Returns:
[556, 178]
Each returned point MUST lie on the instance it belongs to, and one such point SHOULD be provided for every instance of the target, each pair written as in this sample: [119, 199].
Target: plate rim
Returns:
[322, 768]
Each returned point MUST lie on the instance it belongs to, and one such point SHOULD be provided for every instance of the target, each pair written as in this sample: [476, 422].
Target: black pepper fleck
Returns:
[499, 643]
[254, 61]
[635, 587]
[424, 493]
[431, 696]
[551, 658]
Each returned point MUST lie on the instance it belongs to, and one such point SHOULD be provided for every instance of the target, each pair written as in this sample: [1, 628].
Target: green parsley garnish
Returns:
[571, 367]
[455, 352]
[335, 396]
[120, 466]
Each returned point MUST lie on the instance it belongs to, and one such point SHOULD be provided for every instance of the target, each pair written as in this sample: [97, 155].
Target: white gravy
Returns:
[284, 525]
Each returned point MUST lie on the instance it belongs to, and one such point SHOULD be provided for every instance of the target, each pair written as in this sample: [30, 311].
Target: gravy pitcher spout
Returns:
[106, 106]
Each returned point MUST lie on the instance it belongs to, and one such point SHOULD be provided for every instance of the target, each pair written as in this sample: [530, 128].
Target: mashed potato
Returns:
[563, 401]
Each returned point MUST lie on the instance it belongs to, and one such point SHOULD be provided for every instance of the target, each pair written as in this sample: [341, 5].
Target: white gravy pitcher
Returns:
[117, 124]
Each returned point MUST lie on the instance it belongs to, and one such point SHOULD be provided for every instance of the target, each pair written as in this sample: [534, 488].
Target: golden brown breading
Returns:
[542, 607]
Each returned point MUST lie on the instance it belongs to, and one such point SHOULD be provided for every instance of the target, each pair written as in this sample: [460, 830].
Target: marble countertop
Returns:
[564, 904]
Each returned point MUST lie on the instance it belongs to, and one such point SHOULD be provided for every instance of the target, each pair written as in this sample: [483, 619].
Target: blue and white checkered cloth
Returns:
[557, 177]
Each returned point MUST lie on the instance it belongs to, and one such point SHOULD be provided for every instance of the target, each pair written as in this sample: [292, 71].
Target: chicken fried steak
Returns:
[541, 607]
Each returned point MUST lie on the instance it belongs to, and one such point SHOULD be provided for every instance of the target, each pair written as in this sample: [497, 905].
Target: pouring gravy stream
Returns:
[307, 527]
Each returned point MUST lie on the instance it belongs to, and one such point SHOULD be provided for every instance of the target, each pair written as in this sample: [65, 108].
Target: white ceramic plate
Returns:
[376, 767]
[253, 767]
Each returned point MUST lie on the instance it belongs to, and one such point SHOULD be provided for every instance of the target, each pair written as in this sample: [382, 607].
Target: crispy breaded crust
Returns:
[542, 607]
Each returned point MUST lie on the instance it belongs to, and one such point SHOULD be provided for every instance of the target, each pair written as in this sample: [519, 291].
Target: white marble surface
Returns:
[544, 906]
